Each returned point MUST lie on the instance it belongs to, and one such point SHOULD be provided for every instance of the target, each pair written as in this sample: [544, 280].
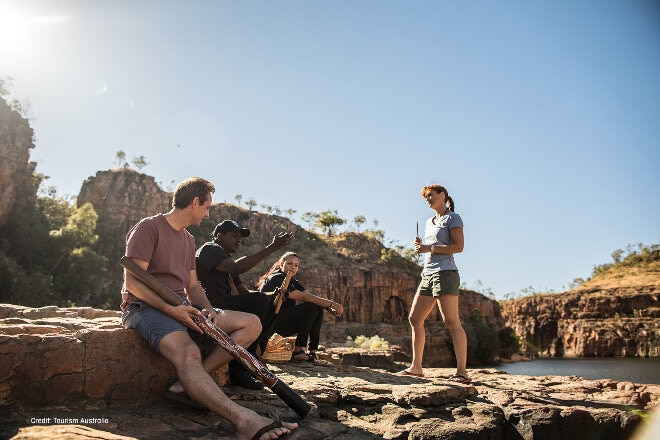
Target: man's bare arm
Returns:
[246, 263]
[143, 293]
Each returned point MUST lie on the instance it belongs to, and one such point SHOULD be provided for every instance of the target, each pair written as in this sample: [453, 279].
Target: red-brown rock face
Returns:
[590, 322]
[18, 187]
[58, 355]
[347, 269]
[121, 198]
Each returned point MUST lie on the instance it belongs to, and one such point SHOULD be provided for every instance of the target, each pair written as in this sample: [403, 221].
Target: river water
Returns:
[637, 370]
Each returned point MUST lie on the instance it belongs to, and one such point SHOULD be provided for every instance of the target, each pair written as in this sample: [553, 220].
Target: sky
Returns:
[542, 119]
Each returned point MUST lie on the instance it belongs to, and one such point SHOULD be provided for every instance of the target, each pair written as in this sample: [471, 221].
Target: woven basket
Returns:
[278, 350]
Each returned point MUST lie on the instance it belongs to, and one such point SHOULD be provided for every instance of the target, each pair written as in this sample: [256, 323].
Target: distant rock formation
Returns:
[121, 198]
[18, 184]
[76, 373]
[617, 318]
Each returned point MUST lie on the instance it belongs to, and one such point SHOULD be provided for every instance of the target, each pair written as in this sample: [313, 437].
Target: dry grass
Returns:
[645, 275]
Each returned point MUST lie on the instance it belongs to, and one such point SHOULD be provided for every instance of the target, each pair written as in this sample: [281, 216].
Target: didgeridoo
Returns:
[257, 369]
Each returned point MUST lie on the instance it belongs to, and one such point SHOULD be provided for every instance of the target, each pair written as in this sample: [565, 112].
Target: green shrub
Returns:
[374, 343]
[483, 340]
[509, 342]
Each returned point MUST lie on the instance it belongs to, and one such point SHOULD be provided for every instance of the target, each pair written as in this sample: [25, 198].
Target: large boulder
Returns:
[57, 356]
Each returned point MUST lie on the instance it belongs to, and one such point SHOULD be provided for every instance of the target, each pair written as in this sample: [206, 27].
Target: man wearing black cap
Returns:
[218, 274]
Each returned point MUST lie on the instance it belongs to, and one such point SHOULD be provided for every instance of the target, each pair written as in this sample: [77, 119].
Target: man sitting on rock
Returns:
[163, 247]
[219, 276]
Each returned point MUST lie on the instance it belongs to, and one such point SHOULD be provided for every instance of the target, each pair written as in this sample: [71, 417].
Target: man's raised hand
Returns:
[282, 239]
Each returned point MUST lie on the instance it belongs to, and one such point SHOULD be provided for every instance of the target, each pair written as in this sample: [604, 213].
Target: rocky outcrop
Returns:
[75, 373]
[58, 355]
[18, 183]
[121, 198]
[612, 319]
[346, 269]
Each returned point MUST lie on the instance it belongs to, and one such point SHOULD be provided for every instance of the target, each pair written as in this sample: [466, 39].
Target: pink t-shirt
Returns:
[170, 253]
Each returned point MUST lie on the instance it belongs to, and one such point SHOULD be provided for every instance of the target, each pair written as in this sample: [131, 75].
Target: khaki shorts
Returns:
[444, 282]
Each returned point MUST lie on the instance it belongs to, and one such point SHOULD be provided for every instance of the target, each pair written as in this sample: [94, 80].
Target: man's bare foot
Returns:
[276, 429]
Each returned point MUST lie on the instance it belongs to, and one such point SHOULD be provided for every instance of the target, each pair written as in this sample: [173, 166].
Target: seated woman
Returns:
[301, 312]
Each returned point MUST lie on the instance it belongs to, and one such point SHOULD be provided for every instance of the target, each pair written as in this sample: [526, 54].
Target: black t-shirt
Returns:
[215, 282]
[275, 280]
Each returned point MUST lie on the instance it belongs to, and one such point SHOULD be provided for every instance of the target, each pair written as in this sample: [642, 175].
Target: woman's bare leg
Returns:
[448, 305]
[421, 307]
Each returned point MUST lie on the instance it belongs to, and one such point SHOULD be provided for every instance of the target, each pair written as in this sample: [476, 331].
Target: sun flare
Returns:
[19, 30]
[13, 29]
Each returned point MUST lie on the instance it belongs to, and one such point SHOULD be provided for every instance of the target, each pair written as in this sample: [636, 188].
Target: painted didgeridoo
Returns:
[257, 369]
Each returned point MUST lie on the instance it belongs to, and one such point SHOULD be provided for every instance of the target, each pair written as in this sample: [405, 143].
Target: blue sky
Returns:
[541, 118]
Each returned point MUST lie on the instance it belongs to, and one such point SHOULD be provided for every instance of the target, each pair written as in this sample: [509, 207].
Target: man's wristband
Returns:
[432, 248]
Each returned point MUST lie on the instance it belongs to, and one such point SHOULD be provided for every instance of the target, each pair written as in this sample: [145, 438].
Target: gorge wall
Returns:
[18, 183]
[346, 268]
[613, 318]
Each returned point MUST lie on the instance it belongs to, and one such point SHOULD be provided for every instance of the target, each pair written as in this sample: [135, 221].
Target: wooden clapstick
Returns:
[280, 292]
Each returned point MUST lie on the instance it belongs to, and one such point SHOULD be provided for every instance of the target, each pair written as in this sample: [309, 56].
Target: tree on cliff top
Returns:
[5, 85]
[120, 157]
[329, 220]
[251, 203]
[359, 221]
[22, 107]
[140, 162]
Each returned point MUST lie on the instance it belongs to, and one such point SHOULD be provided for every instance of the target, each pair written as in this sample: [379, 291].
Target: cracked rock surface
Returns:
[362, 403]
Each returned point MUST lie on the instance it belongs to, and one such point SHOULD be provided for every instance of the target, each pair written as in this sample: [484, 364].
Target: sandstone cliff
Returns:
[612, 315]
[345, 268]
[76, 374]
[121, 197]
[18, 185]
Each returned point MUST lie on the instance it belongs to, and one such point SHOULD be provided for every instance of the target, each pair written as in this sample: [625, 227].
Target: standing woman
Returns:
[301, 312]
[440, 282]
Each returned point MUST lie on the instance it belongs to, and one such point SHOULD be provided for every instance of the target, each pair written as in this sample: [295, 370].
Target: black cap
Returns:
[228, 226]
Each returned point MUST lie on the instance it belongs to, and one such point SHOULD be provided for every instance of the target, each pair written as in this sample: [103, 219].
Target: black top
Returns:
[275, 280]
[215, 282]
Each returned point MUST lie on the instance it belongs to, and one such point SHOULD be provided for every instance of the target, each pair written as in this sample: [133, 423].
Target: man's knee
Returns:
[253, 323]
[180, 349]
